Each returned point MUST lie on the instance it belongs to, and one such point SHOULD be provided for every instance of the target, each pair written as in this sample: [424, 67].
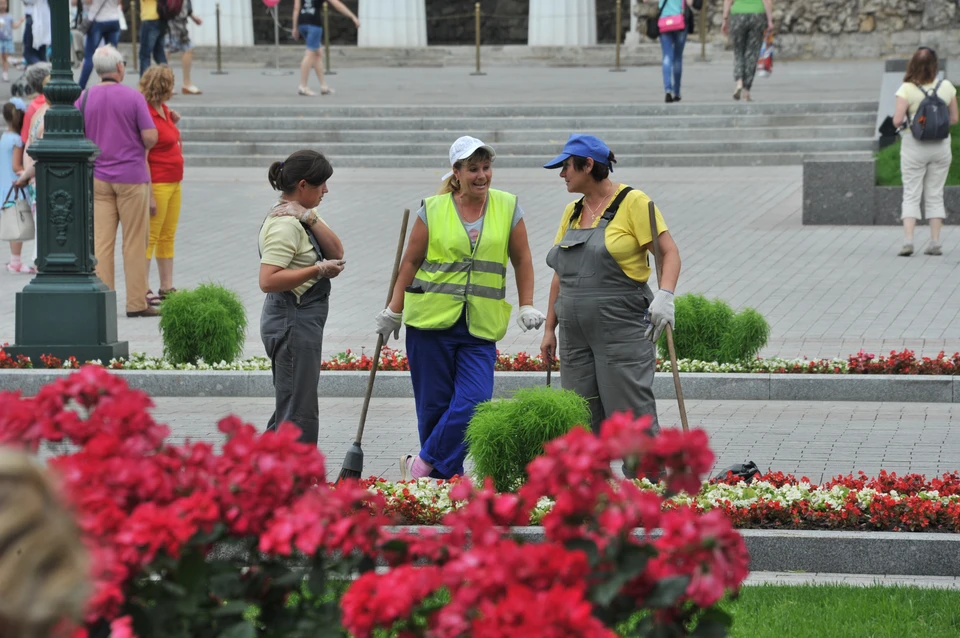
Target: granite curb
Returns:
[811, 551]
[900, 553]
[696, 386]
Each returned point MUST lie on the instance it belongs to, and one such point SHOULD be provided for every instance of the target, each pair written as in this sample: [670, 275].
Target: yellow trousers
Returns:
[163, 225]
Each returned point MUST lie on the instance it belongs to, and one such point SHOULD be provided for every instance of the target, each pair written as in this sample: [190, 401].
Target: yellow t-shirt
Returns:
[914, 96]
[284, 243]
[626, 235]
[148, 10]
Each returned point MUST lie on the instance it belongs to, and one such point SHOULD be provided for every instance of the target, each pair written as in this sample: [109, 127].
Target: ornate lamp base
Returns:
[64, 317]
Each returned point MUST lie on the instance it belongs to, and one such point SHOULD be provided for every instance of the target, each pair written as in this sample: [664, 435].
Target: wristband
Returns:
[665, 290]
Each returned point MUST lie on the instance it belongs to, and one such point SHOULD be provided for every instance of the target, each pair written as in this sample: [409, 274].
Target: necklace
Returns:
[592, 210]
[463, 209]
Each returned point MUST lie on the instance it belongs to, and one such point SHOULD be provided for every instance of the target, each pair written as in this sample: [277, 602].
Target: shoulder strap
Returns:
[577, 209]
[313, 240]
[662, 7]
[614, 206]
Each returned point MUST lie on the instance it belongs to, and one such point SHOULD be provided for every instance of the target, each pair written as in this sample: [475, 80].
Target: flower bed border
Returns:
[696, 386]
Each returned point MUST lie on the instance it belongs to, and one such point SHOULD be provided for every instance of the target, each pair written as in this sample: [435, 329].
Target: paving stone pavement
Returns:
[826, 291]
[818, 440]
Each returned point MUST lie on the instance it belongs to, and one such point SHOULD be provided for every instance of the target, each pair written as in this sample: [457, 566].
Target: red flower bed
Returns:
[188, 541]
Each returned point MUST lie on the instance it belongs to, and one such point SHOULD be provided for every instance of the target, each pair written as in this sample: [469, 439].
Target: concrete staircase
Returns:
[525, 136]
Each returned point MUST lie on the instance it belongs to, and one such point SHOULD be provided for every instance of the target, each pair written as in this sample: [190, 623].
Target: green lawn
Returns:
[888, 162]
[834, 611]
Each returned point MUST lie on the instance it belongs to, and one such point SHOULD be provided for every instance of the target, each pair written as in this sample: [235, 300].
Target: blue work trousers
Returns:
[671, 44]
[452, 371]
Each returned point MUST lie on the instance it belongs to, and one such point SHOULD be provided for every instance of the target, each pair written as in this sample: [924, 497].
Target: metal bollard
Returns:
[326, 37]
[219, 70]
[619, 35]
[476, 11]
[134, 14]
[703, 31]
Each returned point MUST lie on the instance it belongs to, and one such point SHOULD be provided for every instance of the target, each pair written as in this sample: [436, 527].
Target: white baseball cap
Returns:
[463, 148]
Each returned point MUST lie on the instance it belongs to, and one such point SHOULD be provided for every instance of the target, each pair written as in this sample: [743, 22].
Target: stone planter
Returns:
[844, 193]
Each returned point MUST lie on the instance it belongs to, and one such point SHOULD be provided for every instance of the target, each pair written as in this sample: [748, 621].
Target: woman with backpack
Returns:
[927, 106]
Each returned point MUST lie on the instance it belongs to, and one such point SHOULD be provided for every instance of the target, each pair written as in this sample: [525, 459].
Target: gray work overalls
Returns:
[602, 315]
[292, 334]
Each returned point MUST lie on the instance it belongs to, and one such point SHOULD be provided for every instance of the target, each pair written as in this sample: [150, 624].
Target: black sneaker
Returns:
[669, 98]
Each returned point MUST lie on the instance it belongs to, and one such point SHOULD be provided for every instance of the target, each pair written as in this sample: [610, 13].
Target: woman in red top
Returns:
[166, 173]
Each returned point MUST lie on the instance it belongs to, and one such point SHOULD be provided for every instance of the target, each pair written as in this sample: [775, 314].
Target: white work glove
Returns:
[530, 318]
[293, 209]
[389, 321]
[660, 314]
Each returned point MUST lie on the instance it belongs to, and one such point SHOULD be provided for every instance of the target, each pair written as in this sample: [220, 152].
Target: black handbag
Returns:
[742, 471]
[653, 26]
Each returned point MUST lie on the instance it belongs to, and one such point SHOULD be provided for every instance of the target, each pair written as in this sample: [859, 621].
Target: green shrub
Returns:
[208, 322]
[504, 435]
[709, 330]
[888, 162]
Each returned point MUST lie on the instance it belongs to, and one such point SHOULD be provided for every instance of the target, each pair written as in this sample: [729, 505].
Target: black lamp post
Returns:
[65, 310]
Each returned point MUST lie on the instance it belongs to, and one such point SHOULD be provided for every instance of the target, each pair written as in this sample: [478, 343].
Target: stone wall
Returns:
[833, 29]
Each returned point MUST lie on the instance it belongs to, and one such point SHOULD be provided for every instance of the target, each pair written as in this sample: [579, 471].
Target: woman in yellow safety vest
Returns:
[451, 294]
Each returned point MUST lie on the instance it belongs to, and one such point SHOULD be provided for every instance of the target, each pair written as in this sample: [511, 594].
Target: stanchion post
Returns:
[326, 37]
[219, 70]
[619, 35]
[134, 14]
[703, 31]
[476, 28]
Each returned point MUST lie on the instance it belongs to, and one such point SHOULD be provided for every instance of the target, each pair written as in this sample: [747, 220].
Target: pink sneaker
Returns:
[28, 270]
[12, 267]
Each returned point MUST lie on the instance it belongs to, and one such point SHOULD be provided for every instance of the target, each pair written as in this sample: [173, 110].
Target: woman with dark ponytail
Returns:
[299, 255]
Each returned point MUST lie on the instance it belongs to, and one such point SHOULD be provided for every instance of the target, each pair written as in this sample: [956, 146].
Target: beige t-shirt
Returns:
[284, 243]
[914, 95]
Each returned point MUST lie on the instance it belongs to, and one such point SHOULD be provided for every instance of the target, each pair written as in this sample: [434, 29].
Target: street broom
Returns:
[353, 461]
[658, 261]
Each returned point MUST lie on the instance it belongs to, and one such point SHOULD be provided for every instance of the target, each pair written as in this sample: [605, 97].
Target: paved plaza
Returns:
[826, 291]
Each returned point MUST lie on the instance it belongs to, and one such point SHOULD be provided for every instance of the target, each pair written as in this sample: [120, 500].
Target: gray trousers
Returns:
[292, 335]
[604, 355]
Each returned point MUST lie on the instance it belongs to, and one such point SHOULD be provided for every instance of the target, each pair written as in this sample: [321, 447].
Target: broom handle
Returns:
[376, 357]
[658, 261]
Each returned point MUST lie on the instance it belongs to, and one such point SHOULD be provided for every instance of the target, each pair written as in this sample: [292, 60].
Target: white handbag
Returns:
[16, 222]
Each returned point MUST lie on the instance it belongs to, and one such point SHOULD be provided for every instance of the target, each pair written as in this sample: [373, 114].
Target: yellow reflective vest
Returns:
[452, 274]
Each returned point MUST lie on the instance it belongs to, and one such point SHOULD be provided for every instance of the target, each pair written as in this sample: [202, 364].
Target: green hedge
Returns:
[888, 162]
[504, 435]
[709, 330]
[208, 322]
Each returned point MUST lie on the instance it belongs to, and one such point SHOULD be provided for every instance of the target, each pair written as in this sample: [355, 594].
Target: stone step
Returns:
[614, 137]
[538, 149]
[192, 122]
[527, 161]
[527, 110]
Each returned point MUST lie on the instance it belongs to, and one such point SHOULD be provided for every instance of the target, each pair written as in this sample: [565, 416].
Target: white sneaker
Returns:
[6, 77]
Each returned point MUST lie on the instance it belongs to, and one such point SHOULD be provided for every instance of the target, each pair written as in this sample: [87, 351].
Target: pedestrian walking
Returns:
[608, 317]
[673, 37]
[299, 255]
[165, 160]
[746, 22]
[152, 31]
[7, 25]
[178, 41]
[308, 24]
[104, 27]
[924, 162]
[37, 35]
[451, 294]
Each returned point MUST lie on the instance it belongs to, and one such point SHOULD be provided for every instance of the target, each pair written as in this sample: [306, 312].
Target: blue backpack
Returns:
[931, 122]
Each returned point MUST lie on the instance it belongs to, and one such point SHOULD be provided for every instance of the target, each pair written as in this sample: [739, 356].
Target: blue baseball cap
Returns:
[583, 146]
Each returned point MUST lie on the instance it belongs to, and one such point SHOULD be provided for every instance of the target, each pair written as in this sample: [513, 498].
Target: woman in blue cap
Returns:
[609, 319]
[451, 294]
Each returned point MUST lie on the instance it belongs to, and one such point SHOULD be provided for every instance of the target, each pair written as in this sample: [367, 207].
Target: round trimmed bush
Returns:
[504, 435]
[208, 322]
[709, 330]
